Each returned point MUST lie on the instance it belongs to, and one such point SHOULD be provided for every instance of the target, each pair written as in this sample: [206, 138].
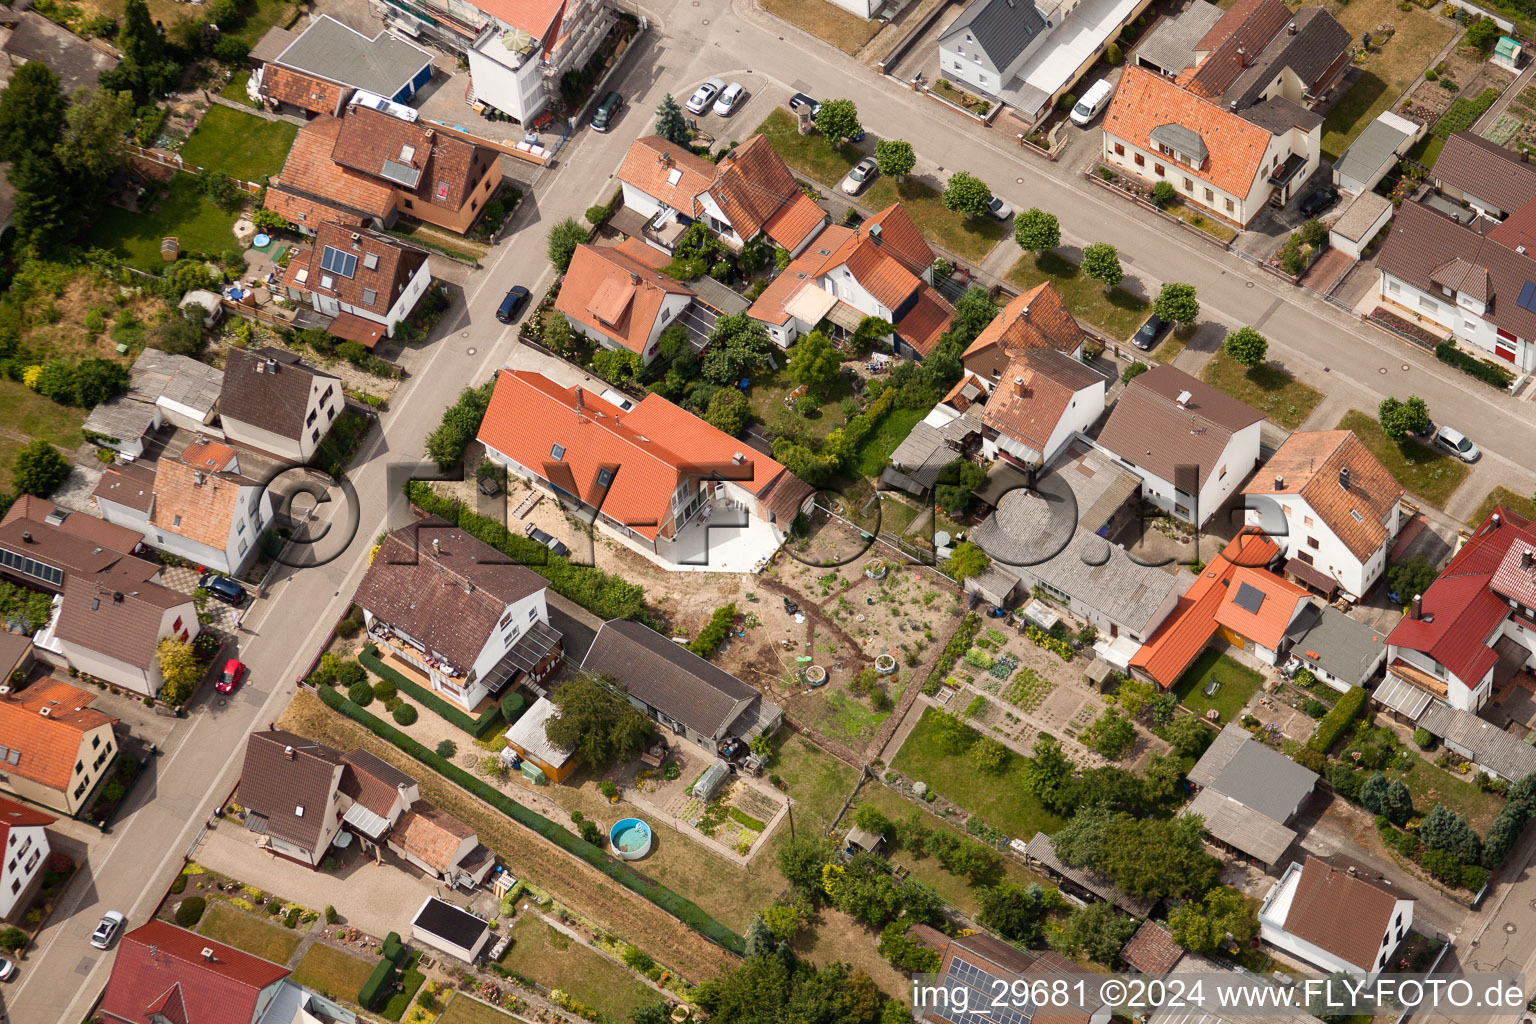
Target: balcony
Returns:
[435, 669]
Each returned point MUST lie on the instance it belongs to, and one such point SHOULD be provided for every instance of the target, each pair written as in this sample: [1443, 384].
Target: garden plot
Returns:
[1516, 127]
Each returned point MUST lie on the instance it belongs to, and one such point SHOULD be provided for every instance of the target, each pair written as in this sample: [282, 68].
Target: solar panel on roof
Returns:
[337, 262]
[1528, 296]
[983, 989]
[1249, 598]
[405, 174]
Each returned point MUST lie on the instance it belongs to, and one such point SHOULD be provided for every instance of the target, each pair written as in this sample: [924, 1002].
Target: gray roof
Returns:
[1319, 44]
[1170, 46]
[122, 418]
[1373, 147]
[1341, 646]
[1278, 115]
[271, 45]
[1360, 215]
[1244, 769]
[1492, 748]
[995, 583]
[329, 49]
[77, 63]
[1181, 139]
[1240, 826]
[1001, 28]
[1043, 850]
[178, 379]
[928, 449]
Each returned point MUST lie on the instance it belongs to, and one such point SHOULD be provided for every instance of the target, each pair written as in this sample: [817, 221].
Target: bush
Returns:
[179, 886]
[360, 693]
[714, 632]
[1163, 192]
[404, 713]
[13, 940]
[446, 749]
[512, 707]
[1485, 370]
[382, 690]
[478, 728]
[190, 911]
[1337, 720]
[1423, 737]
[330, 914]
[1112, 54]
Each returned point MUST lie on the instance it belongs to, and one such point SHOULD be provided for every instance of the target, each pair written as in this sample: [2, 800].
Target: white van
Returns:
[1093, 101]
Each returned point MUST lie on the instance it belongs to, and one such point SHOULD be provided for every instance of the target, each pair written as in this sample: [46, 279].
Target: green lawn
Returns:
[9, 446]
[814, 779]
[1501, 495]
[27, 412]
[234, 89]
[245, 931]
[1118, 313]
[873, 455]
[558, 961]
[1238, 684]
[769, 389]
[1266, 387]
[332, 972]
[970, 238]
[1423, 471]
[1000, 800]
[1427, 151]
[185, 214]
[1172, 347]
[1196, 219]
[243, 146]
[1430, 785]
[463, 1009]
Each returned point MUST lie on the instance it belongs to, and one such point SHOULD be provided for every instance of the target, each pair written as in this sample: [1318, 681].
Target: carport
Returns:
[712, 300]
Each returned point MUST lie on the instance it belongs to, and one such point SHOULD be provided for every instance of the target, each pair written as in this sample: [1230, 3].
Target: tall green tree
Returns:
[895, 158]
[32, 112]
[1204, 925]
[91, 145]
[965, 193]
[1098, 931]
[670, 123]
[179, 670]
[564, 237]
[967, 560]
[39, 469]
[838, 119]
[1176, 304]
[972, 314]
[1399, 418]
[1101, 261]
[1036, 231]
[1016, 911]
[956, 482]
[1246, 346]
[738, 347]
[594, 720]
[1048, 773]
[814, 362]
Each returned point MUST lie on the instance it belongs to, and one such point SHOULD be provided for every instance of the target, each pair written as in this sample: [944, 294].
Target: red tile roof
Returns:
[539, 18]
[899, 237]
[305, 91]
[769, 306]
[1189, 627]
[795, 220]
[610, 291]
[1145, 100]
[351, 327]
[926, 320]
[882, 272]
[1030, 411]
[667, 172]
[15, 815]
[1460, 609]
[308, 211]
[752, 184]
[448, 164]
[1038, 319]
[313, 174]
[200, 506]
[650, 449]
[1247, 33]
[1278, 601]
[1312, 464]
[432, 836]
[160, 967]
[48, 745]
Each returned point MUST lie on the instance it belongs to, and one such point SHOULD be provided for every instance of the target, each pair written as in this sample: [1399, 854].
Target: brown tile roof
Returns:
[311, 173]
[79, 524]
[161, 971]
[1316, 52]
[450, 598]
[14, 647]
[1152, 950]
[445, 167]
[795, 220]
[274, 399]
[1311, 463]
[73, 554]
[610, 291]
[1145, 100]
[752, 184]
[924, 322]
[372, 782]
[1249, 33]
[308, 92]
[277, 785]
[1460, 275]
[1000, 960]
[48, 746]
[1029, 412]
[1490, 172]
[384, 267]
[1343, 910]
[351, 327]
[652, 163]
[93, 617]
[306, 210]
[1149, 429]
[194, 504]
[1038, 319]
[899, 237]
[130, 485]
[431, 835]
[1230, 21]
[769, 306]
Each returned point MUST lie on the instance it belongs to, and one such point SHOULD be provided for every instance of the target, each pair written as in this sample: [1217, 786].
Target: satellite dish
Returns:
[517, 40]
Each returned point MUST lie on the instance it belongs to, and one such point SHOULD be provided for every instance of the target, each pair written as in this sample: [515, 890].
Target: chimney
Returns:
[197, 478]
[1279, 482]
[271, 365]
[26, 537]
[117, 597]
[1344, 477]
[1018, 386]
[581, 404]
[738, 459]
[437, 546]
[1527, 560]
[634, 278]
[288, 752]
[1242, 58]
[1497, 519]
[1416, 606]
[1525, 156]
[1025, 314]
[208, 953]
[1291, 29]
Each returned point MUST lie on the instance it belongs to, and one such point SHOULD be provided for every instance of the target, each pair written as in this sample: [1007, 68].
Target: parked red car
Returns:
[234, 672]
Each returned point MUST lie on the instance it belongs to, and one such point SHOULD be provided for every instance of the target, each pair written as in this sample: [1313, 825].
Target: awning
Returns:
[256, 823]
[846, 316]
[810, 303]
[1397, 694]
[1312, 577]
[365, 821]
[1512, 654]
[351, 327]
[531, 649]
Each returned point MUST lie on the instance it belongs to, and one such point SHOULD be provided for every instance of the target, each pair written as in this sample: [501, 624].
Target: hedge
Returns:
[684, 910]
[1485, 370]
[958, 644]
[410, 980]
[601, 593]
[191, 911]
[393, 948]
[512, 707]
[476, 727]
[715, 631]
[1337, 720]
[376, 984]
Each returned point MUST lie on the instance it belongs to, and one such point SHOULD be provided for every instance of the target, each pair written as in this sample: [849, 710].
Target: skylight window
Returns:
[604, 477]
[557, 452]
[674, 176]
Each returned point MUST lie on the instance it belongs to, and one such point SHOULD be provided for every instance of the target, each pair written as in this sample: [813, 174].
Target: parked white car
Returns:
[732, 95]
[107, 930]
[704, 95]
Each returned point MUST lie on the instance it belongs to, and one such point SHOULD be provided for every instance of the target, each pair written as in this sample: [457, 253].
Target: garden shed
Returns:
[448, 929]
[710, 780]
[528, 740]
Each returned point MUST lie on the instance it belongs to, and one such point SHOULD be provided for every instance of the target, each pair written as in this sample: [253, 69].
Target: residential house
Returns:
[373, 797]
[1029, 54]
[27, 36]
[1333, 508]
[971, 966]
[356, 276]
[163, 973]
[1249, 795]
[1336, 916]
[441, 845]
[1192, 624]
[620, 302]
[290, 788]
[518, 52]
[321, 70]
[654, 476]
[1490, 179]
[163, 388]
[1082, 883]
[42, 545]
[527, 739]
[54, 747]
[1375, 151]
[1191, 444]
[1472, 280]
[109, 625]
[276, 404]
[1337, 649]
[1045, 399]
[1258, 613]
[23, 856]
[197, 505]
[1058, 534]
[453, 612]
[678, 689]
[368, 167]
[884, 268]
[749, 194]
[1227, 162]
[1037, 319]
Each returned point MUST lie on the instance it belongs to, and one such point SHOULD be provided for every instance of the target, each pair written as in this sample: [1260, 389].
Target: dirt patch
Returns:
[1459, 75]
[57, 312]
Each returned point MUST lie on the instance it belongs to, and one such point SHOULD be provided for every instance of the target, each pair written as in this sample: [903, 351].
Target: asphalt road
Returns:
[128, 869]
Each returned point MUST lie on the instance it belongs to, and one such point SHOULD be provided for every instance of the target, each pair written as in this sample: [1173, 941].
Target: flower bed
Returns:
[1408, 328]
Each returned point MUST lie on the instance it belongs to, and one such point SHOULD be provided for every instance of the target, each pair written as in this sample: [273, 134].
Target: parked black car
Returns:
[1150, 332]
[222, 588]
[513, 304]
[1318, 201]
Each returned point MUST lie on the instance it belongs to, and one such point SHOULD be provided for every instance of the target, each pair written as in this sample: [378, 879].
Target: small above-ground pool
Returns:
[631, 838]
[261, 241]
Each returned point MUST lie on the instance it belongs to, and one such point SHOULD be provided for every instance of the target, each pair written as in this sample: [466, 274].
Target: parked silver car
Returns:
[704, 95]
[861, 175]
[1458, 444]
[726, 104]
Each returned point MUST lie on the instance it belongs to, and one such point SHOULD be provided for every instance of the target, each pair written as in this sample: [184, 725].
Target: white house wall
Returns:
[23, 843]
[1329, 555]
[1463, 317]
[519, 92]
[1082, 412]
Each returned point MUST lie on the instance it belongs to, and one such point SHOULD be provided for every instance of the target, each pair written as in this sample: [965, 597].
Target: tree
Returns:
[973, 313]
[1132, 371]
[140, 38]
[1482, 33]
[1097, 930]
[1048, 773]
[594, 720]
[90, 148]
[965, 193]
[1176, 304]
[871, 819]
[738, 347]
[801, 859]
[759, 938]
[1160, 857]
[564, 237]
[620, 366]
[1161, 776]
[895, 158]
[32, 111]
[1111, 734]
[838, 119]
[1016, 911]
[461, 422]
[1334, 1000]
[989, 756]
[1401, 418]
[1444, 829]
[1101, 261]
[1397, 803]
[1246, 346]
[785, 920]
[670, 123]
[1081, 842]
[96, 380]
[1373, 792]
[1411, 577]
[814, 362]
[39, 469]
[1203, 925]
[870, 330]
[1036, 231]
[956, 482]
[13, 940]
[967, 560]
[1163, 194]
[728, 411]
[1188, 735]
[179, 670]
